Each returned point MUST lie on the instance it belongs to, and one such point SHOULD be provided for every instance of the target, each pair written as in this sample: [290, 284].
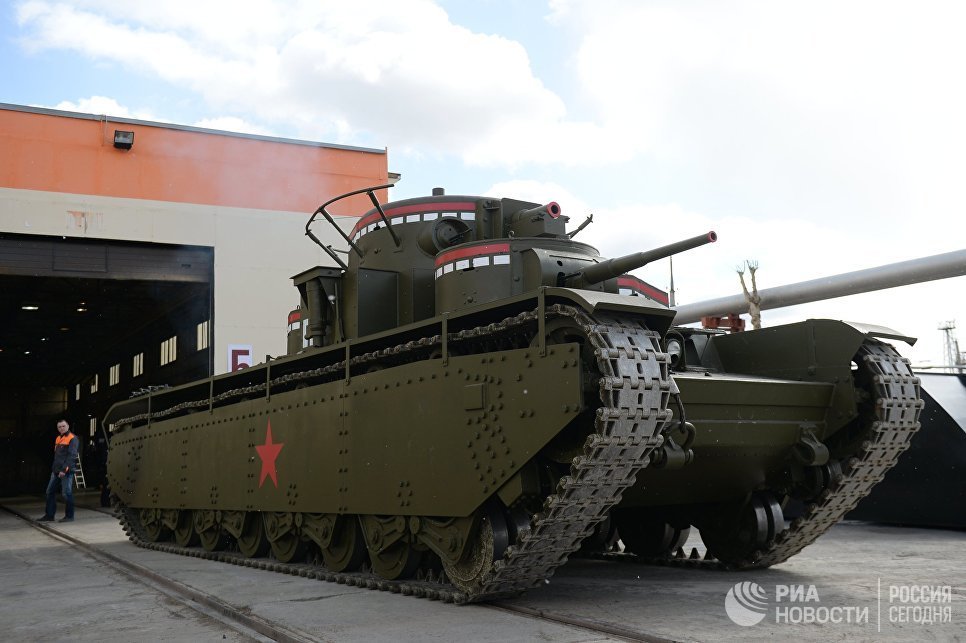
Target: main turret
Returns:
[418, 258]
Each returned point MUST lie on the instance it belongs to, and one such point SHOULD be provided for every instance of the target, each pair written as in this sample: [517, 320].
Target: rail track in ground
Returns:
[241, 620]
[247, 625]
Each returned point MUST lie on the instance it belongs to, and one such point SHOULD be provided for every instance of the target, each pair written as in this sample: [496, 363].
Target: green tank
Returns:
[468, 400]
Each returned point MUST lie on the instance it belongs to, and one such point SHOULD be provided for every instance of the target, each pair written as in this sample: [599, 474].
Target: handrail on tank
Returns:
[586, 222]
[382, 214]
[322, 210]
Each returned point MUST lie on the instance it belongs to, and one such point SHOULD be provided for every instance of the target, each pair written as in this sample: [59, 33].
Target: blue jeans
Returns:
[66, 487]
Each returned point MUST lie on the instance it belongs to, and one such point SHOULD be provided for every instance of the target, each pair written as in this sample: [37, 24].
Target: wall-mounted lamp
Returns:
[123, 140]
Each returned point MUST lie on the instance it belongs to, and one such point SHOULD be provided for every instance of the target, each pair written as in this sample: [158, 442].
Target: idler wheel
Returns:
[184, 532]
[492, 540]
[153, 526]
[563, 331]
[649, 536]
[252, 541]
[736, 537]
[347, 549]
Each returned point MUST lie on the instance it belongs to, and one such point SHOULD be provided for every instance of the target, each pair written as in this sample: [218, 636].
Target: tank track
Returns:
[635, 387]
[896, 403]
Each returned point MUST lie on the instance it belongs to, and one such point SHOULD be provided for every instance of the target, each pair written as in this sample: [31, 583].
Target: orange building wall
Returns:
[77, 155]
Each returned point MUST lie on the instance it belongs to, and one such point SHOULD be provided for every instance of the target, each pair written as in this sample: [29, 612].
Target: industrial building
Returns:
[137, 254]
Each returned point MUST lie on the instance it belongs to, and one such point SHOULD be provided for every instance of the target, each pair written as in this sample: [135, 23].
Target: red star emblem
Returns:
[268, 452]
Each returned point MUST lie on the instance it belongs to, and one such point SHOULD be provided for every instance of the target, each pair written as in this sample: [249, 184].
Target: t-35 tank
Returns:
[473, 397]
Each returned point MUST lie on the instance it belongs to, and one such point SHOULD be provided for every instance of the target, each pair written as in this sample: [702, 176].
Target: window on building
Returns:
[203, 335]
[94, 384]
[93, 426]
[169, 350]
[138, 367]
[115, 375]
[77, 392]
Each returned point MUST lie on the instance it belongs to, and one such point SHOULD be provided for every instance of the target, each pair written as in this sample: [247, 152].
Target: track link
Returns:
[635, 387]
[896, 404]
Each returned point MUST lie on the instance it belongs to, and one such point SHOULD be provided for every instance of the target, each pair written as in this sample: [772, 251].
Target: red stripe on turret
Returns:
[634, 283]
[473, 251]
[449, 206]
[294, 316]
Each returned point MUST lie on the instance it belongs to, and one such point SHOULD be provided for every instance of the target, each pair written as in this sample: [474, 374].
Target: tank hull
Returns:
[391, 453]
[384, 442]
[750, 397]
[811, 414]
[470, 393]
[745, 429]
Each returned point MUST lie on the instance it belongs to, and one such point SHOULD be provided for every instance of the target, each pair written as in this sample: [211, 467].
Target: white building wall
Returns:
[256, 252]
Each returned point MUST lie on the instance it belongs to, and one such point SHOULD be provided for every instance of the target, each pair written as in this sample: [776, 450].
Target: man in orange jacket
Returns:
[62, 473]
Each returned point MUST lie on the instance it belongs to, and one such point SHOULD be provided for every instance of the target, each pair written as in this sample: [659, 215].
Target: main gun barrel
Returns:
[619, 265]
[903, 273]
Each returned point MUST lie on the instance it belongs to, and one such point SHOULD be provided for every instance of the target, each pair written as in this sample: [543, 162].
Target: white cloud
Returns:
[232, 124]
[110, 107]
[748, 96]
[816, 138]
[104, 106]
[380, 71]
[571, 205]
[787, 250]
[814, 104]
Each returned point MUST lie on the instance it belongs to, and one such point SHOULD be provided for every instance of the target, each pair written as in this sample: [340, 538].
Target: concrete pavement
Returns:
[844, 582]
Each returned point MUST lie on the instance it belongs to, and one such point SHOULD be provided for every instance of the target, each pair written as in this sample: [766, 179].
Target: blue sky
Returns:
[814, 137]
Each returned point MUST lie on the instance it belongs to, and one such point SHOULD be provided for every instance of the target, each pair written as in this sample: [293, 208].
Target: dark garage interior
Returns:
[82, 326]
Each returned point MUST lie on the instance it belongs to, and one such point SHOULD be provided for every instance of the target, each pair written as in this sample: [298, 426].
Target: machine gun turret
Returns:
[619, 265]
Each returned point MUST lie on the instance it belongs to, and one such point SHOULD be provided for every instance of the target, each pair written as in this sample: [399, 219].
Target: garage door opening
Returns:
[83, 324]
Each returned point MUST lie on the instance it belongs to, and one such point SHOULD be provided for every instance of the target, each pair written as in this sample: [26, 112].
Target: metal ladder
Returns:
[79, 474]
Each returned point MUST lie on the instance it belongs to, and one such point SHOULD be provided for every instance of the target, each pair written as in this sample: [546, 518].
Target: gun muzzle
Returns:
[552, 208]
